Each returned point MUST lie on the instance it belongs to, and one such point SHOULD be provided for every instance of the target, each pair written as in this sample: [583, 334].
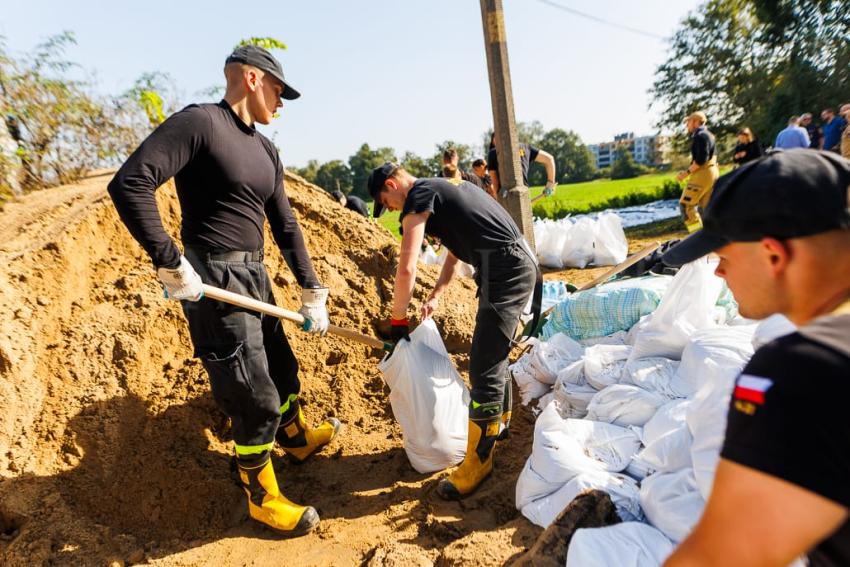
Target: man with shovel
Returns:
[229, 177]
[477, 230]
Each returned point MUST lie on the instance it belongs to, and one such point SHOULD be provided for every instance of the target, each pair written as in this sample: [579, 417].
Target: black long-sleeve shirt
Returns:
[228, 177]
[752, 150]
[702, 145]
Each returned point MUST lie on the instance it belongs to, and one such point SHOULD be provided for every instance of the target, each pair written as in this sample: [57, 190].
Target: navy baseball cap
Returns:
[785, 194]
[376, 182]
[263, 60]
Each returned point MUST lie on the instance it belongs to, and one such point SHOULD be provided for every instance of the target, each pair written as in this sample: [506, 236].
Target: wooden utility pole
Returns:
[504, 122]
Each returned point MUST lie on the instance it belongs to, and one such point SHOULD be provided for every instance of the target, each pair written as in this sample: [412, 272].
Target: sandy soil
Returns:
[112, 450]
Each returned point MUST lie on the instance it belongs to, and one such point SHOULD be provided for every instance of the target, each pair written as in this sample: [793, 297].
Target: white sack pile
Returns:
[563, 243]
[655, 414]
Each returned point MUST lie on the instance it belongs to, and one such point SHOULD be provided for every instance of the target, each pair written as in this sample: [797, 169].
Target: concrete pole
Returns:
[517, 202]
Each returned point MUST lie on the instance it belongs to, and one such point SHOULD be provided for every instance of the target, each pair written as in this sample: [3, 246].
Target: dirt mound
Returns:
[111, 448]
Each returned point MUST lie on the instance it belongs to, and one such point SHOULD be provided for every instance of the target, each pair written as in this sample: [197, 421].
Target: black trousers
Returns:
[251, 367]
[505, 279]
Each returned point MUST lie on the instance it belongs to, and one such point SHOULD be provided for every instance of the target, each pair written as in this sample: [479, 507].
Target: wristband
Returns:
[398, 322]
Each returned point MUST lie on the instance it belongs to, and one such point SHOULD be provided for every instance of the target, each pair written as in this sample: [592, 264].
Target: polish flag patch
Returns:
[752, 388]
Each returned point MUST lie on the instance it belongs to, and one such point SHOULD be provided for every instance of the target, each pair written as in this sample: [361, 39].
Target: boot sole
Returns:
[308, 522]
[447, 491]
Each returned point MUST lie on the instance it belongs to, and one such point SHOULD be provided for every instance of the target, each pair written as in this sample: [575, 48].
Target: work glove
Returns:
[550, 188]
[181, 283]
[314, 309]
[399, 329]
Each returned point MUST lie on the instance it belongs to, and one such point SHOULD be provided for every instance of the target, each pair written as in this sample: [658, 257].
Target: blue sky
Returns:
[405, 74]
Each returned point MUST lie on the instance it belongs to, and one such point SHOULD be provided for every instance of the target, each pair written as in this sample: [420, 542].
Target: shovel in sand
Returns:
[275, 311]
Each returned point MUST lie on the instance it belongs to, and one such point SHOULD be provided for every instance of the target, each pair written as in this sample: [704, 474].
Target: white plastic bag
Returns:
[623, 490]
[672, 503]
[429, 256]
[610, 247]
[555, 455]
[612, 445]
[687, 306]
[728, 347]
[530, 486]
[630, 544]
[624, 404]
[529, 387]
[555, 235]
[654, 374]
[429, 399]
[573, 399]
[603, 364]
[550, 357]
[578, 249]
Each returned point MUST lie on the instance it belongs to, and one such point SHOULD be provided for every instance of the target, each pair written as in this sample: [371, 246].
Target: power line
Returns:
[601, 20]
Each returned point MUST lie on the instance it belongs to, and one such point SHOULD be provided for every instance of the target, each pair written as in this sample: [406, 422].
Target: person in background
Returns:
[845, 137]
[833, 127]
[701, 173]
[793, 136]
[479, 168]
[748, 147]
[351, 202]
[527, 155]
[452, 174]
[813, 130]
[451, 158]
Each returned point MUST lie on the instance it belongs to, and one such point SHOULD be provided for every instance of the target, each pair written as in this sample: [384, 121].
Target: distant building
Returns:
[646, 150]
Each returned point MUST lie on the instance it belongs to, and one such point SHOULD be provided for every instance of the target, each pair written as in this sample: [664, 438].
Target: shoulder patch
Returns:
[752, 388]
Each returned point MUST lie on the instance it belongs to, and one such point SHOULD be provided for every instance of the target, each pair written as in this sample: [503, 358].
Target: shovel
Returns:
[275, 311]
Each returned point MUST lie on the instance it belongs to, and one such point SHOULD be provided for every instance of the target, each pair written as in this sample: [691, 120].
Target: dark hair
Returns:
[337, 195]
[449, 154]
[479, 163]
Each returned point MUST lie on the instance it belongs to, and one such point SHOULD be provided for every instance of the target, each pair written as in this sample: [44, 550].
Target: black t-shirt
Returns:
[357, 205]
[466, 220]
[788, 418]
[228, 177]
[815, 134]
[752, 150]
[702, 145]
[527, 154]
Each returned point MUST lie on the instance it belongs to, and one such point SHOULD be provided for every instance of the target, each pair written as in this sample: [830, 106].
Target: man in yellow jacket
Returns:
[701, 174]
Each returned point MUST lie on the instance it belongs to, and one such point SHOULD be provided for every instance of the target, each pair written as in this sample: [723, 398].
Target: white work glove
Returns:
[181, 283]
[550, 189]
[313, 308]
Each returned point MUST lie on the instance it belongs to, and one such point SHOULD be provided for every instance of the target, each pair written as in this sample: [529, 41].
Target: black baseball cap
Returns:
[376, 182]
[785, 194]
[263, 60]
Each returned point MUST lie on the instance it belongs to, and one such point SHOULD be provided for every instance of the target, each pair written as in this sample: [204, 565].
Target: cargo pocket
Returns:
[229, 380]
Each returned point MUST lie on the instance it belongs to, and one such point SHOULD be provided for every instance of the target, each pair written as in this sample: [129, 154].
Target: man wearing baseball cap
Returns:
[229, 179]
[701, 173]
[781, 227]
[477, 230]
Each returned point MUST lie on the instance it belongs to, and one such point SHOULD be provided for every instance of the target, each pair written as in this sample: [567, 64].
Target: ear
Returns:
[778, 254]
[252, 79]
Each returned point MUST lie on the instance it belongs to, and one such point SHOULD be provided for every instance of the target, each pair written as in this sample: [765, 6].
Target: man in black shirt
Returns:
[351, 202]
[527, 155]
[781, 226]
[814, 131]
[477, 230]
[703, 171]
[479, 168]
[228, 177]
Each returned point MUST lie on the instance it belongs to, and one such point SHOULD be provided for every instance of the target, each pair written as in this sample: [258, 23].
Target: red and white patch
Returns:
[752, 388]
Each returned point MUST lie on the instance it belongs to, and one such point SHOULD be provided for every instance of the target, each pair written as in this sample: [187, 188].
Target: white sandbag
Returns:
[550, 357]
[572, 374]
[573, 399]
[624, 404]
[550, 249]
[542, 402]
[612, 445]
[672, 503]
[728, 347]
[638, 470]
[687, 306]
[618, 338]
[556, 456]
[530, 486]
[429, 256]
[772, 328]
[578, 248]
[429, 399]
[668, 453]
[610, 247]
[603, 364]
[654, 374]
[630, 544]
[529, 387]
[668, 418]
[623, 490]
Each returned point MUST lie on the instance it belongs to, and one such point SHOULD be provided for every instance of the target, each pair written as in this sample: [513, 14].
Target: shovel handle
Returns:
[268, 309]
[629, 262]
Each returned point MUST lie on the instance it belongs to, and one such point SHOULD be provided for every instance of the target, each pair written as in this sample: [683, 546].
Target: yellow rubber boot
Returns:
[299, 441]
[507, 408]
[478, 462]
[265, 502]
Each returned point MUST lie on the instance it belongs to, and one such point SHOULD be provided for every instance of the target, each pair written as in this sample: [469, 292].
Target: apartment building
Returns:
[646, 150]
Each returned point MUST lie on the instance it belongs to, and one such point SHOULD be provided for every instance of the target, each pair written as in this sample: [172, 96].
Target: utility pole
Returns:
[504, 122]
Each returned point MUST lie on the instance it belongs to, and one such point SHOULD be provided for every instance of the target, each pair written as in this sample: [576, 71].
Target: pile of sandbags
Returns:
[654, 416]
[563, 243]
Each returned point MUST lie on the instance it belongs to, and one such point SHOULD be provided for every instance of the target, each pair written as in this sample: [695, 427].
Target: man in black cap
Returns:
[477, 230]
[351, 202]
[781, 227]
[229, 177]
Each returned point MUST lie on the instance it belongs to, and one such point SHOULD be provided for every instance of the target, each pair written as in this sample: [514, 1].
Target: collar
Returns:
[250, 130]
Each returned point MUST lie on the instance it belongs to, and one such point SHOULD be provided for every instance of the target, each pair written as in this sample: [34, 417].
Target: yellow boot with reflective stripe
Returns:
[265, 502]
[299, 441]
[478, 462]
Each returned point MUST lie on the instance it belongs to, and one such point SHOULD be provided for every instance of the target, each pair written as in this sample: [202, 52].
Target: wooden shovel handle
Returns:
[622, 266]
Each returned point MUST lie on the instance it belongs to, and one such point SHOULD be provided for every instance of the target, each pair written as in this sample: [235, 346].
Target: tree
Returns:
[416, 165]
[625, 167]
[363, 162]
[754, 63]
[309, 171]
[334, 175]
[573, 161]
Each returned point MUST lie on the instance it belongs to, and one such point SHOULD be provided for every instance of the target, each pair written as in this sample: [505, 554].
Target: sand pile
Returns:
[112, 449]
